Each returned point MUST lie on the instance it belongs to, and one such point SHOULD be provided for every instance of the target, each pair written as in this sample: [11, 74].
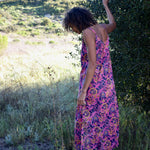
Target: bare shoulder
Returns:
[88, 32]
[88, 35]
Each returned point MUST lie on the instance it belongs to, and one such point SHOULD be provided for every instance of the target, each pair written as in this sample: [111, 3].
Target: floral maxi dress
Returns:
[97, 122]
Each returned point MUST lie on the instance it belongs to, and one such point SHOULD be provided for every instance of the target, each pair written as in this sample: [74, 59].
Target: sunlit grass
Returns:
[3, 43]
[35, 64]
[40, 90]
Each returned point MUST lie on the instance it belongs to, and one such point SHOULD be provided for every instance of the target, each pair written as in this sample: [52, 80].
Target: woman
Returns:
[97, 113]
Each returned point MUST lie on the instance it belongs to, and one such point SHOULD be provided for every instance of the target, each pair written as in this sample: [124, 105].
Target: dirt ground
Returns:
[51, 43]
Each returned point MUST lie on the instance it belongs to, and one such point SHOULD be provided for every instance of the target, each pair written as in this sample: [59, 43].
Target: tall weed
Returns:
[3, 43]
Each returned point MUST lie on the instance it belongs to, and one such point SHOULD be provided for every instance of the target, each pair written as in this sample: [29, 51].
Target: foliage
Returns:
[33, 18]
[52, 7]
[3, 43]
[30, 20]
[34, 43]
[130, 50]
[134, 132]
[9, 28]
[51, 42]
[46, 22]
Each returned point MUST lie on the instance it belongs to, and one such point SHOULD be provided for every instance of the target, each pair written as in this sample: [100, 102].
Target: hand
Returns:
[105, 2]
[81, 99]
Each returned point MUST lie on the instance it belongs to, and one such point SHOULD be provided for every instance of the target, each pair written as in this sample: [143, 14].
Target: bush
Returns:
[16, 40]
[23, 33]
[2, 21]
[46, 22]
[134, 128]
[21, 23]
[130, 50]
[10, 28]
[3, 43]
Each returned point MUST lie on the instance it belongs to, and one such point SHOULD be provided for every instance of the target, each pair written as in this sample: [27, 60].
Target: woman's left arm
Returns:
[89, 39]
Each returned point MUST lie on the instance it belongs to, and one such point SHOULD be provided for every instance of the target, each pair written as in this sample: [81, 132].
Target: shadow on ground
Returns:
[49, 110]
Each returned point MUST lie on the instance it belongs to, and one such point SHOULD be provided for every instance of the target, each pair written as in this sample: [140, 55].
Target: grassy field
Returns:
[39, 85]
[37, 100]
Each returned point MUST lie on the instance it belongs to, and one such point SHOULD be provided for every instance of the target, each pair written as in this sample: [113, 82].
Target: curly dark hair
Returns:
[79, 17]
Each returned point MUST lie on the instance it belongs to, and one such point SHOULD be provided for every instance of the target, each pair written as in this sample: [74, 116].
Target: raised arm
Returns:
[112, 24]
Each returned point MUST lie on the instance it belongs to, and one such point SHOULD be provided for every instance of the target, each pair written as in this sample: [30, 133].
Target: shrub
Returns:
[3, 43]
[46, 22]
[23, 33]
[129, 42]
[16, 40]
[51, 42]
[2, 21]
[21, 23]
[10, 28]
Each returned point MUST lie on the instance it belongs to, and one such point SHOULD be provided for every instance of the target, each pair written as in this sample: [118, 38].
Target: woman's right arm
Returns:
[112, 24]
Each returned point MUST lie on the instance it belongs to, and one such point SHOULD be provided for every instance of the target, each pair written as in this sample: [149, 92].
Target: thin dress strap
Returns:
[92, 30]
[94, 33]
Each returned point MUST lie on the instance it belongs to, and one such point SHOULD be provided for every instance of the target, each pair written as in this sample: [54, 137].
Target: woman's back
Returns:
[100, 31]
